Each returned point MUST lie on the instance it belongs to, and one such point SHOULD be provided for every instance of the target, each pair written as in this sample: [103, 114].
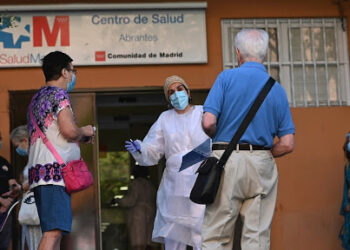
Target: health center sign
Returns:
[108, 37]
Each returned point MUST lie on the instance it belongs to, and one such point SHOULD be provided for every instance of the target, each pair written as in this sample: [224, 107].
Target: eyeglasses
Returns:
[73, 70]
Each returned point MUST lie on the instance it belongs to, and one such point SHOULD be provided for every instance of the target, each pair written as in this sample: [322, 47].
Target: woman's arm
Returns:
[69, 130]
[152, 146]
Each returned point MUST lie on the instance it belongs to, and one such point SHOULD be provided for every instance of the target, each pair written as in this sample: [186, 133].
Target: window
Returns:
[309, 57]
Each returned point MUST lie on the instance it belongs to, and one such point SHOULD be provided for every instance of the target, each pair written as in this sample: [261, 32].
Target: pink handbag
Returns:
[76, 176]
[75, 173]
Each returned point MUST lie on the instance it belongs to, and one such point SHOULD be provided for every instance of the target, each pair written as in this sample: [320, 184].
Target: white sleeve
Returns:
[152, 146]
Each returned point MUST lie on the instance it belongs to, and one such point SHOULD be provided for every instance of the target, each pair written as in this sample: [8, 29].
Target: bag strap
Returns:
[45, 139]
[246, 121]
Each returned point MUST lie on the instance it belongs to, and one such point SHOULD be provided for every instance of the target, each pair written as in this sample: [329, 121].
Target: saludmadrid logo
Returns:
[19, 39]
[14, 32]
[29, 58]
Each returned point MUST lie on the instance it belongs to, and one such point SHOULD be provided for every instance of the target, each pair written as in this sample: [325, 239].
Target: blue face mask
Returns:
[348, 147]
[0, 144]
[21, 151]
[179, 100]
[71, 84]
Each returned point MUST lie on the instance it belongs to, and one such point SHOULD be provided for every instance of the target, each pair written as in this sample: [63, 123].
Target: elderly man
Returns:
[249, 183]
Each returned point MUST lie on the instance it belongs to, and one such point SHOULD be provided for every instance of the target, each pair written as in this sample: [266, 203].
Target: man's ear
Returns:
[64, 73]
[239, 57]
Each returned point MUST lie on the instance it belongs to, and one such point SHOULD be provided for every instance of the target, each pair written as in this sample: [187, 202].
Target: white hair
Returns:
[252, 43]
[20, 133]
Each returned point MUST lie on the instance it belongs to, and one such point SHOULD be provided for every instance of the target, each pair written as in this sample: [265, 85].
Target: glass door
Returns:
[85, 204]
[123, 116]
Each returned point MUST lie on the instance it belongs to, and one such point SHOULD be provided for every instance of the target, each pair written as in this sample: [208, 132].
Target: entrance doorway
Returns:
[123, 116]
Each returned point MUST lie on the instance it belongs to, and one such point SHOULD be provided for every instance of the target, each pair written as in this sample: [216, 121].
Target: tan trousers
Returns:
[248, 187]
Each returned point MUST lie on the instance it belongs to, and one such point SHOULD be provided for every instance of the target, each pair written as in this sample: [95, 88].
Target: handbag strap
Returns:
[45, 139]
[246, 121]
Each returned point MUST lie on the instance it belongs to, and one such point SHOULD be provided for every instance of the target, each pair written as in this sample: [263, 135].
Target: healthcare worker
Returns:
[177, 131]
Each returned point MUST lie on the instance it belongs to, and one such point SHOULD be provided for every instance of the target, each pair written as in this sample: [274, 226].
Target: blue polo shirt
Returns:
[234, 92]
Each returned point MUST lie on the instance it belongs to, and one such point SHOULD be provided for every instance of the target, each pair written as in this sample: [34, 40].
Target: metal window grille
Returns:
[309, 57]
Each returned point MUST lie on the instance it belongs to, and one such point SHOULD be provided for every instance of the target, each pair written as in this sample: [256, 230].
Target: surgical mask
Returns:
[21, 151]
[348, 147]
[71, 84]
[179, 100]
[0, 144]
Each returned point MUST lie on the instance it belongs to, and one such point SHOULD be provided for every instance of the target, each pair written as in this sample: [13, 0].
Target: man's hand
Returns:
[284, 146]
[15, 189]
[347, 208]
[88, 134]
[5, 203]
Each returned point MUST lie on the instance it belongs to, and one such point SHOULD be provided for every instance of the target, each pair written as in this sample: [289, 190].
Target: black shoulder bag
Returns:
[209, 172]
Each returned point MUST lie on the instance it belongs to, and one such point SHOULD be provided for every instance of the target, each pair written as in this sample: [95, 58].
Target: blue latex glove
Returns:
[133, 146]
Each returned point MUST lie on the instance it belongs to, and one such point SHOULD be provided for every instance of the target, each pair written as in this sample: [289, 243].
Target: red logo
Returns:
[41, 27]
[100, 56]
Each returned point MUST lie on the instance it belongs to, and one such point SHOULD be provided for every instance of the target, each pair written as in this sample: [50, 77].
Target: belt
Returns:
[239, 147]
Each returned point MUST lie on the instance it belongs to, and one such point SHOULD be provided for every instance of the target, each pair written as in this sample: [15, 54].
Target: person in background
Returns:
[52, 111]
[9, 191]
[345, 206]
[249, 181]
[141, 204]
[176, 132]
[31, 234]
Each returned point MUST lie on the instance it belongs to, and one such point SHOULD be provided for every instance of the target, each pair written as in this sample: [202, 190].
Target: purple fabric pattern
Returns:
[46, 103]
[45, 172]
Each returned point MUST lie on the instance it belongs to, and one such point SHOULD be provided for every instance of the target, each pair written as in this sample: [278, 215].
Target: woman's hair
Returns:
[345, 146]
[19, 134]
[252, 43]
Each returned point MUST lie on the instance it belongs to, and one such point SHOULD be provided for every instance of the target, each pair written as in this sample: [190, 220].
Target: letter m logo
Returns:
[41, 26]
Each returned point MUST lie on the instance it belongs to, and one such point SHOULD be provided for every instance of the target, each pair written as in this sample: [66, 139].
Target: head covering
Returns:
[170, 80]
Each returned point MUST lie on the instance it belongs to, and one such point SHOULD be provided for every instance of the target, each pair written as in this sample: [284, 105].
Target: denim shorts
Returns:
[54, 208]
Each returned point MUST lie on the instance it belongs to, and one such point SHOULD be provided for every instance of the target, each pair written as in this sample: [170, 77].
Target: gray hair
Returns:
[252, 43]
[20, 133]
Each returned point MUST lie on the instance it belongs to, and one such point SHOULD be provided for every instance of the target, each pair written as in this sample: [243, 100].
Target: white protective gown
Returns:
[174, 135]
